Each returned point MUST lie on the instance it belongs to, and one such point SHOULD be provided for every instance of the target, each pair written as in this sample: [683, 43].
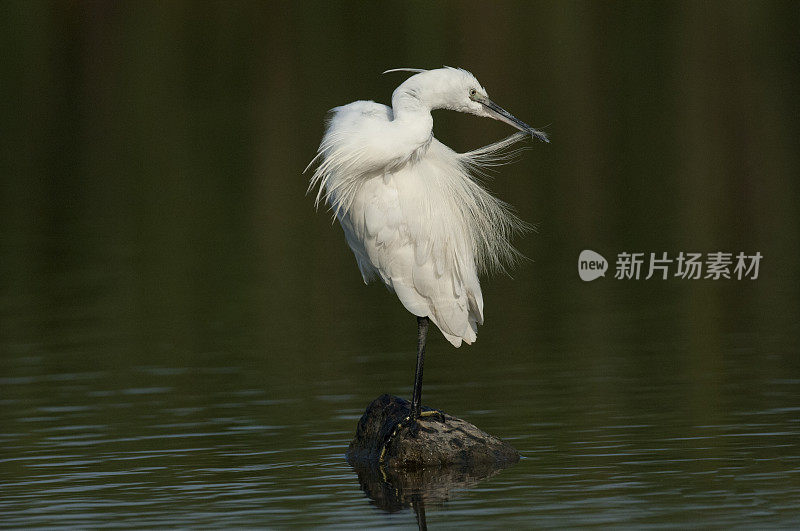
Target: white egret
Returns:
[411, 209]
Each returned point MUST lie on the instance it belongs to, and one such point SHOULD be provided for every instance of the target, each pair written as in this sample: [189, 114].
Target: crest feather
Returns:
[415, 70]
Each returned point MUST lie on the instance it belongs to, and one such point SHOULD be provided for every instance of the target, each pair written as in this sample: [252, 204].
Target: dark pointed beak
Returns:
[499, 113]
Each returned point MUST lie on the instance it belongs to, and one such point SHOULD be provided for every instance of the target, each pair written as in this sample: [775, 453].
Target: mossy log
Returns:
[386, 436]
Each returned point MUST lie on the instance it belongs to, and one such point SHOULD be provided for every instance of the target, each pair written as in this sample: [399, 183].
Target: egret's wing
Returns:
[373, 227]
[396, 236]
[439, 264]
[439, 294]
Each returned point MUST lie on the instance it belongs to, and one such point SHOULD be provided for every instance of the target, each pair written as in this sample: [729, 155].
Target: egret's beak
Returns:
[499, 113]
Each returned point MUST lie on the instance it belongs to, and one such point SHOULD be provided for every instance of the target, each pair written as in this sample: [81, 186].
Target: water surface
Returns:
[185, 342]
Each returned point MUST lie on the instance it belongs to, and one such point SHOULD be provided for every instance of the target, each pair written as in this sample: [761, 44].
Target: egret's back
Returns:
[413, 214]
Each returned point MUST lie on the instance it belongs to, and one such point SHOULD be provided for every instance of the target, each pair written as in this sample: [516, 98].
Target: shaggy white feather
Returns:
[411, 208]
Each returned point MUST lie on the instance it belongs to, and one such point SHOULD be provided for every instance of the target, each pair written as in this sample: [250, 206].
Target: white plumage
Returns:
[411, 209]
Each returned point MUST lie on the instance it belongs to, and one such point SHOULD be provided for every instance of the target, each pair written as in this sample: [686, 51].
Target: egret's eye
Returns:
[472, 93]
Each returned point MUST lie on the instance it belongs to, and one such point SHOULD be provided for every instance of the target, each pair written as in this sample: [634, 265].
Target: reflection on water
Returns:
[184, 342]
[394, 489]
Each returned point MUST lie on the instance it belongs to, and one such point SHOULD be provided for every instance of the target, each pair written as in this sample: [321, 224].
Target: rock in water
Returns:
[387, 436]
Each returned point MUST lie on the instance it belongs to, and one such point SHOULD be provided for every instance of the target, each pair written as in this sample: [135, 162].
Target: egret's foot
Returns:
[399, 424]
[413, 425]
[429, 415]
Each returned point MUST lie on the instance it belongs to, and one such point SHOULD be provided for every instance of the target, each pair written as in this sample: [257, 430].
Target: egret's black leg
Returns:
[416, 397]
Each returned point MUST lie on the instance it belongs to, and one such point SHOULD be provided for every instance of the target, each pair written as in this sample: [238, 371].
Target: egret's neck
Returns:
[412, 116]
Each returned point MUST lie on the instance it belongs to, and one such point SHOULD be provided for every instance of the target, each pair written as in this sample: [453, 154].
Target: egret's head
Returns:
[458, 90]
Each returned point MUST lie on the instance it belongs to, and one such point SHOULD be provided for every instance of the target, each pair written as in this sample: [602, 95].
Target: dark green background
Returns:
[157, 246]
